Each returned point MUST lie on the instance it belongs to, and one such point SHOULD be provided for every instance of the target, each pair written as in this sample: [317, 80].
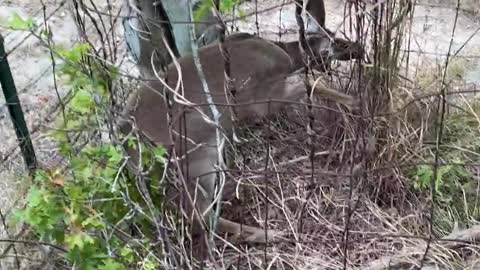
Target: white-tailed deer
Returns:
[261, 71]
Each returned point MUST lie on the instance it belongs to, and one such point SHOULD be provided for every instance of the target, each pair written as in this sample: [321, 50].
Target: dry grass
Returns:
[385, 216]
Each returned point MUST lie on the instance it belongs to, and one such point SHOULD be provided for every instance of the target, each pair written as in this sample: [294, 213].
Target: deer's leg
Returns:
[294, 90]
[200, 174]
[201, 171]
[249, 233]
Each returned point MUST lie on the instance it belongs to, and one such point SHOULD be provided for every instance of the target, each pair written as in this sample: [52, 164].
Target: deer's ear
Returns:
[316, 9]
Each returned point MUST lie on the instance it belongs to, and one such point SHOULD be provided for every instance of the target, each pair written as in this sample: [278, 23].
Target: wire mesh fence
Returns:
[392, 184]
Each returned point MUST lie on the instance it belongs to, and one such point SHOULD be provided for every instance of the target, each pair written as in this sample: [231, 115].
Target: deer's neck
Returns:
[293, 50]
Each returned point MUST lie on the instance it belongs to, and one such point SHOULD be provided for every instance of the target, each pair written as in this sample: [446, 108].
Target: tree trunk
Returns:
[146, 23]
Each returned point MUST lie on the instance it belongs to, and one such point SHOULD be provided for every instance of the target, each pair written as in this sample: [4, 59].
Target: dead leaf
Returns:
[58, 181]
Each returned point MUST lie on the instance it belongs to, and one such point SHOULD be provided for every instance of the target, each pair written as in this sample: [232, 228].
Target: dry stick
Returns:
[441, 108]
[215, 113]
[23, 231]
[303, 158]
[55, 83]
[267, 154]
[257, 25]
[141, 185]
[34, 243]
[183, 101]
[5, 226]
[52, 59]
[230, 94]
[104, 28]
[355, 166]
[306, 54]
[265, 169]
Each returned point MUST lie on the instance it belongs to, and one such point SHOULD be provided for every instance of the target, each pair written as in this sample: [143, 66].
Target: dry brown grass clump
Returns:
[371, 195]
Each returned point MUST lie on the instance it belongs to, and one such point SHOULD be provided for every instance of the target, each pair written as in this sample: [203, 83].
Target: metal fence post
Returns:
[15, 110]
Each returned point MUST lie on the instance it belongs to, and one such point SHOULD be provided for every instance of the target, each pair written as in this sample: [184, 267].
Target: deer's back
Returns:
[255, 63]
[252, 61]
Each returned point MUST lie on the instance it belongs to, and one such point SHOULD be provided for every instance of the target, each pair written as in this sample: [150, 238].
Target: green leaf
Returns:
[159, 153]
[424, 175]
[93, 222]
[202, 10]
[149, 265]
[79, 240]
[227, 5]
[127, 254]
[82, 102]
[132, 143]
[115, 155]
[40, 176]
[110, 264]
[75, 192]
[75, 53]
[18, 23]
[34, 197]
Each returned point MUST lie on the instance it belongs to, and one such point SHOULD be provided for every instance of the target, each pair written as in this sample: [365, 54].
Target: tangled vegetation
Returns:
[98, 215]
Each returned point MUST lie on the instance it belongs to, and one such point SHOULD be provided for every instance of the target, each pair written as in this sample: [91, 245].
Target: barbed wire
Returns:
[266, 171]
[450, 7]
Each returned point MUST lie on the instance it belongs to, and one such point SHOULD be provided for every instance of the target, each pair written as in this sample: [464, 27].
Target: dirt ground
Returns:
[32, 67]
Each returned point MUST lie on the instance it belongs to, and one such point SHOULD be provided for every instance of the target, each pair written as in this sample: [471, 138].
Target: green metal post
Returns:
[15, 110]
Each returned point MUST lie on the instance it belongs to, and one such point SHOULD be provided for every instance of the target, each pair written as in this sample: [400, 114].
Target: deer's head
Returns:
[325, 48]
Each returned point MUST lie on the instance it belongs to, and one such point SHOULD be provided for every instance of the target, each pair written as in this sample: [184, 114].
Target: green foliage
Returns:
[454, 203]
[18, 23]
[150, 264]
[455, 187]
[73, 208]
[81, 207]
[89, 91]
[207, 5]
[448, 179]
